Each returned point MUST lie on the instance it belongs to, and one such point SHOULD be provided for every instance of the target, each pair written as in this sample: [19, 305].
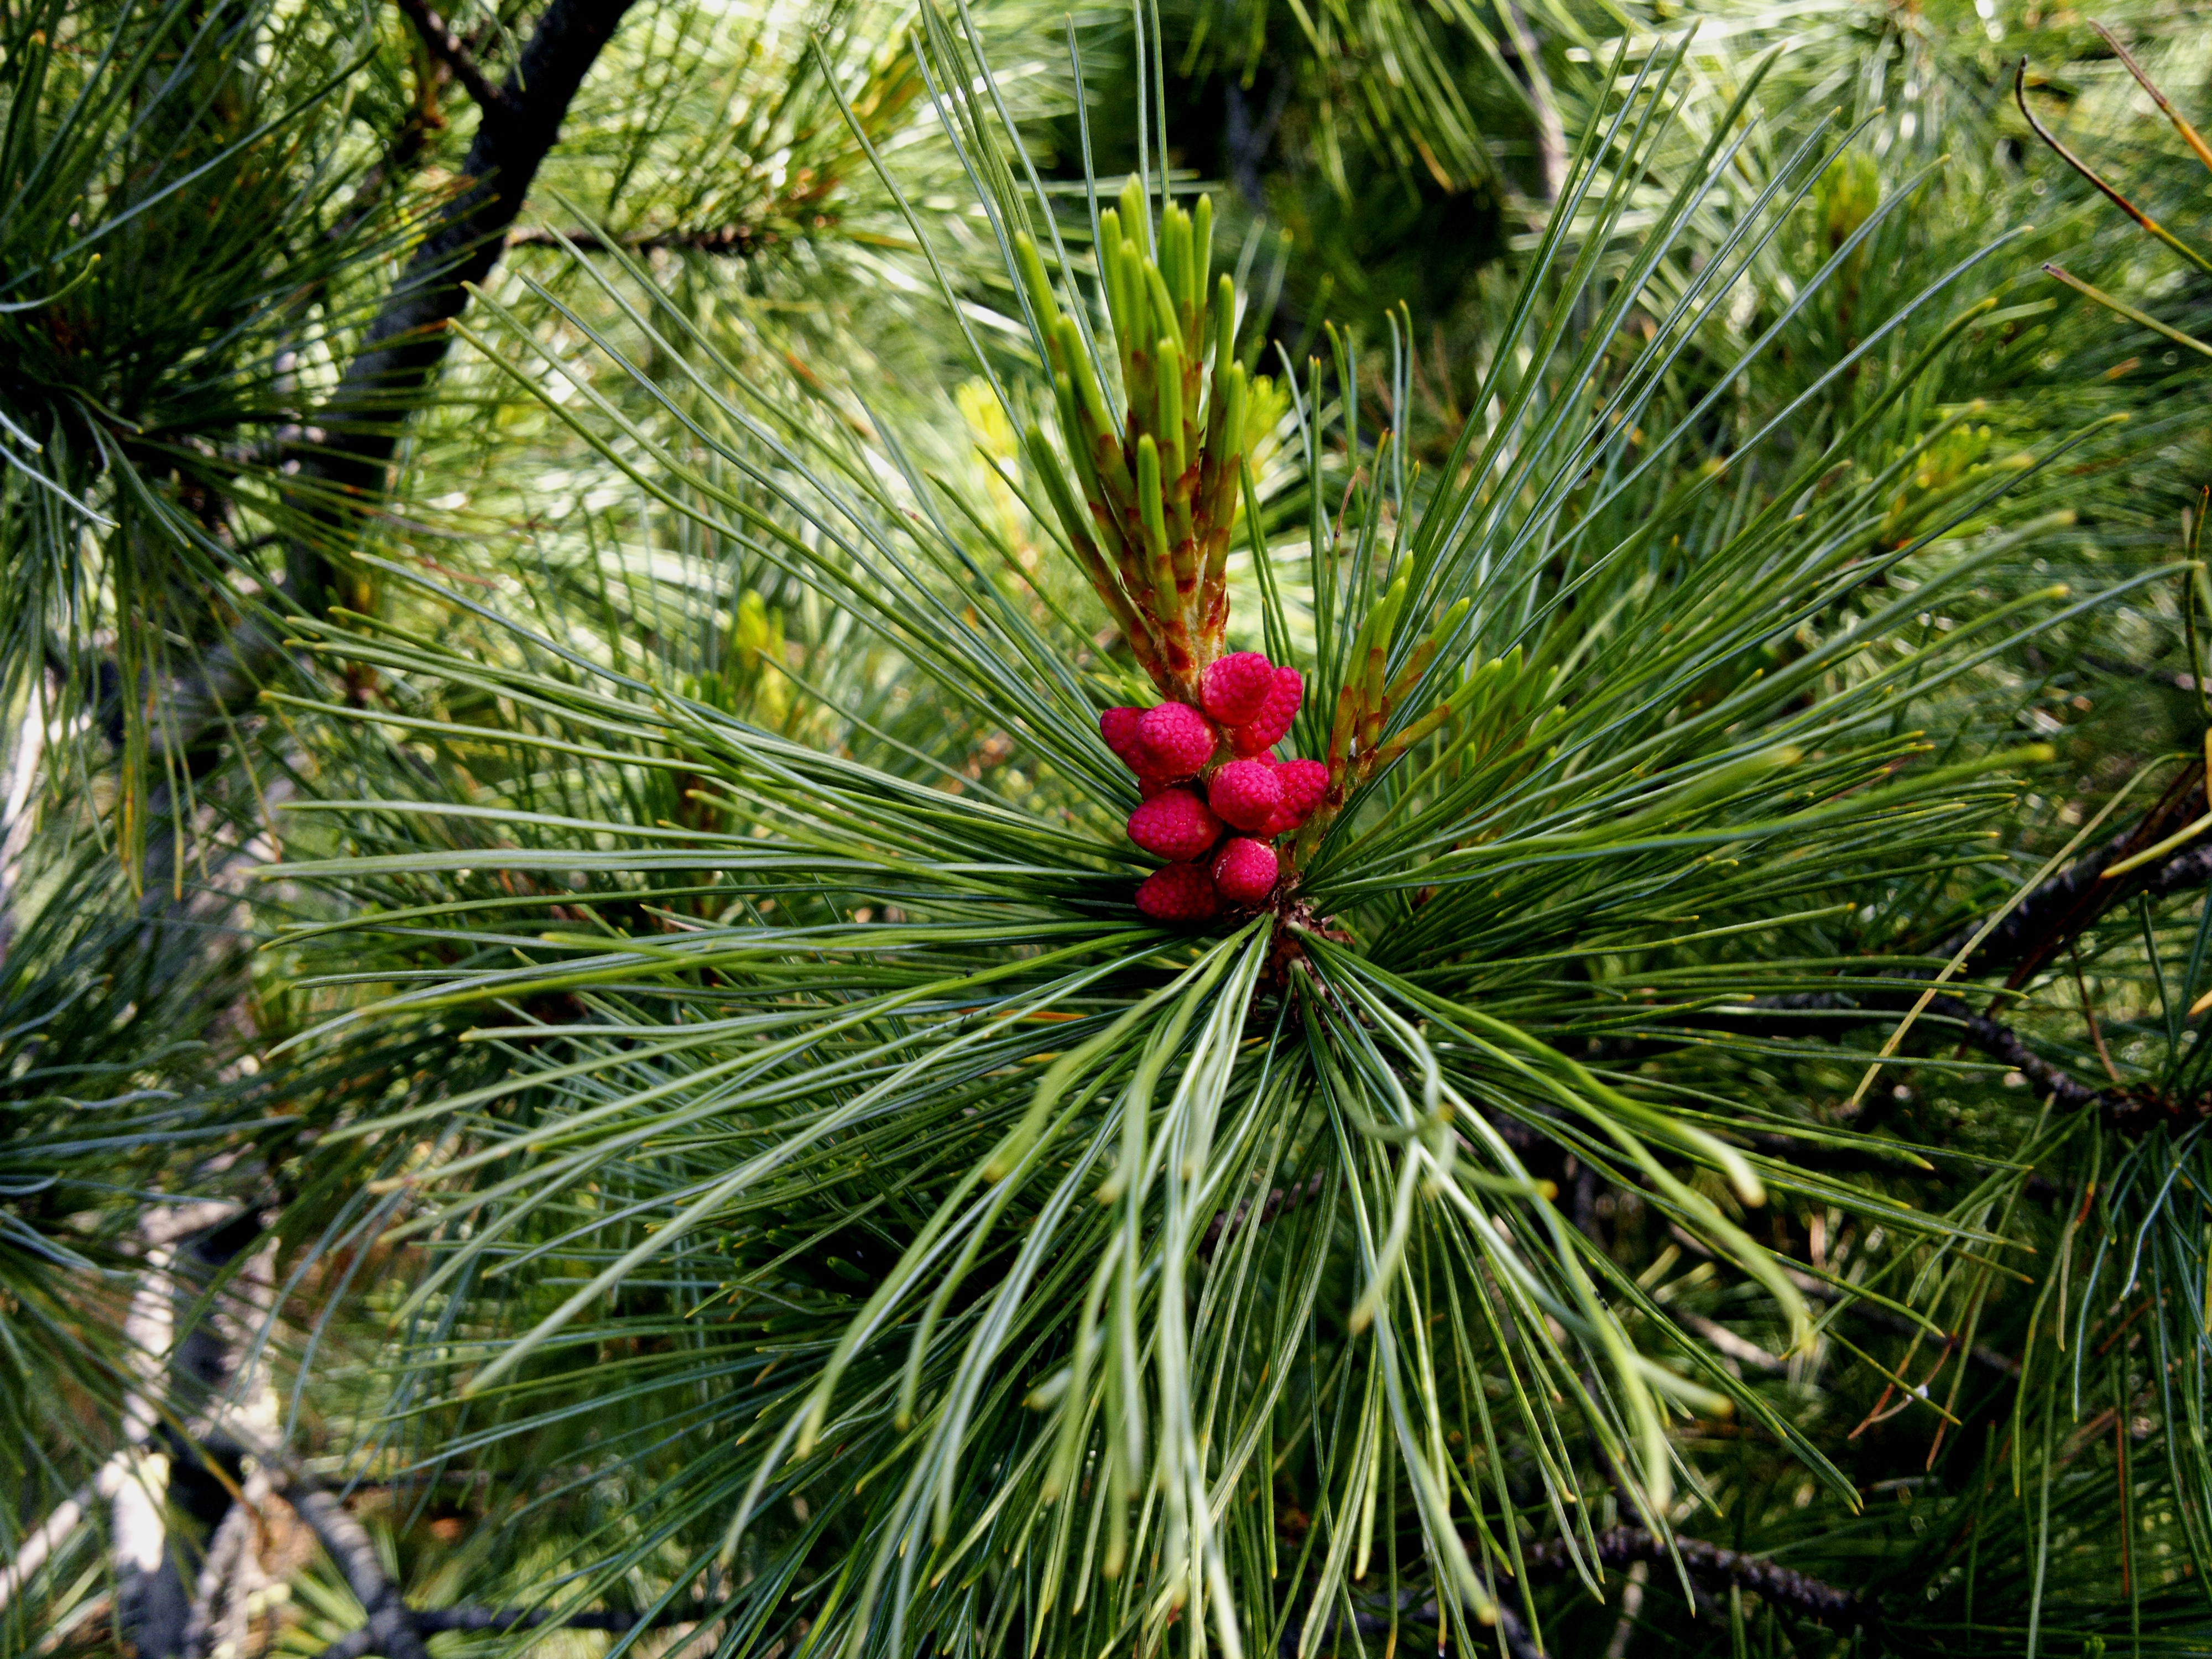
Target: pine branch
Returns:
[389, 1629]
[407, 343]
[176, 1375]
[342, 478]
[2000, 1041]
[227, 1554]
[450, 50]
[1707, 1562]
[404, 153]
[2030, 937]
[1551, 137]
[2064, 907]
[740, 242]
[394, 1629]
[40, 1543]
[1224, 1226]
[2129, 1109]
[1708, 1566]
[1518, 1643]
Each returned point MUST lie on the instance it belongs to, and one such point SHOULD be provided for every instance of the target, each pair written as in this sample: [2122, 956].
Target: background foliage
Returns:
[574, 1048]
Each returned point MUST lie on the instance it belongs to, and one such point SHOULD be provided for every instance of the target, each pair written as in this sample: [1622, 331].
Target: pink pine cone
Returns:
[1266, 729]
[1180, 892]
[1119, 727]
[1303, 783]
[1236, 686]
[1244, 871]
[1176, 741]
[1246, 794]
[1176, 824]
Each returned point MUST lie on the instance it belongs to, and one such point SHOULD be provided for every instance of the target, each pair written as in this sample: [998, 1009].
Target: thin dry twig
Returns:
[2110, 192]
[2089, 1014]
[2189, 134]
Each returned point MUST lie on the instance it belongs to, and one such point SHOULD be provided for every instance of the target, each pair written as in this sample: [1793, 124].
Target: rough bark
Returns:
[2033, 935]
[451, 51]
[345, 455]
[365, 414]
[1710, 1563]
[51, 1536]
[2061, 910]
[19, 769]
[389, 1630]
[343, 461]
[226, 1576]
[181, 1377]
[1709, 1566]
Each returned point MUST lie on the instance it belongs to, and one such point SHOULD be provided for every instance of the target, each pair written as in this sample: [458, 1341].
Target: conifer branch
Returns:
[2128, 1109]
[1707, 1562]
[229, 1557]
[2041, 926]
[2067, 904]
[342, 473]
[450, 50]
[389, 1629]
[407, 343]
[1225, 1226]
[1708, 1566]
[738, 241]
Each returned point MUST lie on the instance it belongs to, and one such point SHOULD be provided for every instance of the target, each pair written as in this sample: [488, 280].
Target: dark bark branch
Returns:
[218, 1576]
[1711, 1565]
[2133, 1111]
[402, 155]
[2032, 935]
[389, 1631]
[1377, 1627]
[2000, 1041]
[2036, 931]
[1551, 143]
[736, 242]
[1223, 1227]
[448, 48]
[405, 345]
[182, 1376]
[2058, 912]
[394, 1629]
[343, 475]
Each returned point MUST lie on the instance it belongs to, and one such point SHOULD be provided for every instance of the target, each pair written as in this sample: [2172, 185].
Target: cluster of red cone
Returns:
[1193, 789]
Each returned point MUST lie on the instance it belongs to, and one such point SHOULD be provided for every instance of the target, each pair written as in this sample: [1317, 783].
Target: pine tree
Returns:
[975, 936]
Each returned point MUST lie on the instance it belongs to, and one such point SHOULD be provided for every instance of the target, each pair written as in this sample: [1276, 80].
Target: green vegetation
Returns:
[580, 1067]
